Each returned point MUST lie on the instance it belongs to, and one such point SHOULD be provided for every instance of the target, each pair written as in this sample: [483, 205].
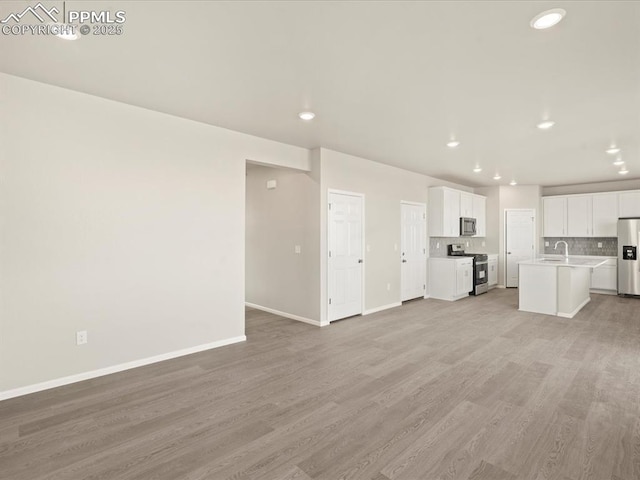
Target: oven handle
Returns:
[482, 263]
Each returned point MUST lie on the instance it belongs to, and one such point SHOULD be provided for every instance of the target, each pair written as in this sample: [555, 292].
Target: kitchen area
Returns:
[459, 264]
[581, 247]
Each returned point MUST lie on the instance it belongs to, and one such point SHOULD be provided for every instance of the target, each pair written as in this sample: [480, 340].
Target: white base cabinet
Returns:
[492, 275]
[604, 279]
[450, 278]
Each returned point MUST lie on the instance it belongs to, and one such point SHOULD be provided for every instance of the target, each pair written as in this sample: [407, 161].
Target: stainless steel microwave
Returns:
[467, 226]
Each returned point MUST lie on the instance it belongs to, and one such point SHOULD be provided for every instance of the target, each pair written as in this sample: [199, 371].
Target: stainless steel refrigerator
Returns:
[628, 263]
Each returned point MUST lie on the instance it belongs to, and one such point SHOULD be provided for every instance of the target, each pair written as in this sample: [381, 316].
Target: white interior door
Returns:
[345, 255]
[413, 258]
[519, 241]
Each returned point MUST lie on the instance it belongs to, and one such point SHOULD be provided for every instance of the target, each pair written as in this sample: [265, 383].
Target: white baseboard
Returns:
[383, 307]
[284, 314]
[58, 382]
[603, 292]
[577, 309]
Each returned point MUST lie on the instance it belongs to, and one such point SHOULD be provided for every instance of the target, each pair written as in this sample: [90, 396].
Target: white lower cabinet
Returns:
[492, 275]
[450, 278]
[604, 279]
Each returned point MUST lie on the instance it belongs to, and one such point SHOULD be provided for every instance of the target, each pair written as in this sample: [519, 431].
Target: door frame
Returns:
[426, 244]
[534, 238]
[364, 262]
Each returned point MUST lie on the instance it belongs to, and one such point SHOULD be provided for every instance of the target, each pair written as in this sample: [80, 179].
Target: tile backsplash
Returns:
[577, 246]
[584, 246]
[438, 245]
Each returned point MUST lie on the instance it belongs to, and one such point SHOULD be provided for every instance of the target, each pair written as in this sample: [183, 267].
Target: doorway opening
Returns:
[282, 262]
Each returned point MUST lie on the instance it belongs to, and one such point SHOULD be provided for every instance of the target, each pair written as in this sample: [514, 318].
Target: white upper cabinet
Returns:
[479, 212]
[588, 215]
[605, 215]
[555, 216]
[466, 204]
[444, 212]
[579, 216]
[629, 204]
[447, 205]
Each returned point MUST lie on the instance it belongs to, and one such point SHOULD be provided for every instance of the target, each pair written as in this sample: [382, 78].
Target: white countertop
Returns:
[561, 261]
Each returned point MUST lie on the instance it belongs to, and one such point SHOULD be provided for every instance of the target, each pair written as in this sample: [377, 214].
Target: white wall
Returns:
[384, 187]
[120, 221]
[276, 221]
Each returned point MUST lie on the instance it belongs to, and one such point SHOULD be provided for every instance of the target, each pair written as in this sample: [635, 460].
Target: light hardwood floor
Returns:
[431, 390]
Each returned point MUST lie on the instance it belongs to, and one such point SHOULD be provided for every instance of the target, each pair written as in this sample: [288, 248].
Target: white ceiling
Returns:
[389, 81]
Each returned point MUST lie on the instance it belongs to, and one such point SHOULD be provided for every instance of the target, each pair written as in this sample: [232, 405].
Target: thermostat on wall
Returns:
[271, 184]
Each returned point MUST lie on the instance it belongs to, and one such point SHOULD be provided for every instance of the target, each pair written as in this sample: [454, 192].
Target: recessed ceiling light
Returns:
[513, 183]
[547, 19]
[67, 33]
[497, 176]
[307, 115]
[453, 144]
[477, 169]
[546, 125]
[613, 150]
[623, 171]
[618, 162]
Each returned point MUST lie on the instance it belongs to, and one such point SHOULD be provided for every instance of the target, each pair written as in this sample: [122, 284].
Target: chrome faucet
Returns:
[566, 248]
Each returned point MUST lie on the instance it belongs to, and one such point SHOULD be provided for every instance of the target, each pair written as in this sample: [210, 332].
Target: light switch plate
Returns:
[297, 249]
[81, 337]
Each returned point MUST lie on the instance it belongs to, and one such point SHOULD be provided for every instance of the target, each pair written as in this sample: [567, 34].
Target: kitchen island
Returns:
[555, 285]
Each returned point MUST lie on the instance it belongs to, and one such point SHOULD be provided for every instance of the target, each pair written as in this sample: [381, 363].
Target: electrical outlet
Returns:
[81, 337]
[388, 287]
[297, 249]
[484, 244]
[437, 244]
[599, 244]
[546, 244]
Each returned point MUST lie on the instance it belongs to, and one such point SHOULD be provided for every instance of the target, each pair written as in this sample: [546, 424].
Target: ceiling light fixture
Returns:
[546, 125]
[307, 116]
[453, 144]
[623, 171]
[497, 176]
[513, 183]
[67, 32]
[477, 169]
[613, 150]
[547, 19]
[618, 162]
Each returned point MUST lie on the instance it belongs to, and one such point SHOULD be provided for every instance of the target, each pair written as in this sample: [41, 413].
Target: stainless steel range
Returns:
[480, 267]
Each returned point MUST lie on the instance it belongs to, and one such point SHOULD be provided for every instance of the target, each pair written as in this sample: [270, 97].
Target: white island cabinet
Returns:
[556, 285]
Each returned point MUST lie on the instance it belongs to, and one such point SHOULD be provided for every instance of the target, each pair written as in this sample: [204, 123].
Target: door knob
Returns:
[359, 260]
[404, 261]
